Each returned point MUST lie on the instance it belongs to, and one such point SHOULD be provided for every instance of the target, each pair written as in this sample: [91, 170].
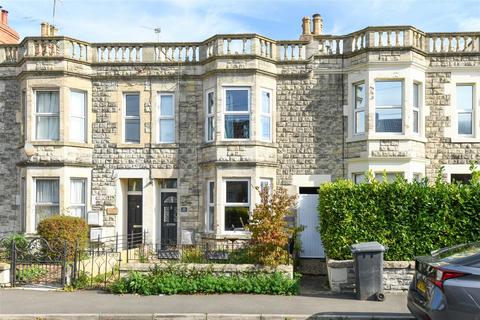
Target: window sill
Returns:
[460, 139]
[61, 144]
[389, 136]
[130, 145]
[164, 146]
[252, 143]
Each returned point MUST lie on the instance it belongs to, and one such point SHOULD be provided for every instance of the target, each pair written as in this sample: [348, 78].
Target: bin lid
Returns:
[373, 246]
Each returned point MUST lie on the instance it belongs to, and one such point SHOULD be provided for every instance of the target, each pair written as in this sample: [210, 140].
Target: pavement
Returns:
[91, 304]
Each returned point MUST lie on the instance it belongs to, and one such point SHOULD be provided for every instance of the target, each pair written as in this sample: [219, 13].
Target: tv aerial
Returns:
[156, 31]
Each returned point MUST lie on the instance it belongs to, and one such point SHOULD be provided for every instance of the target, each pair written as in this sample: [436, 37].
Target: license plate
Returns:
[421, 286]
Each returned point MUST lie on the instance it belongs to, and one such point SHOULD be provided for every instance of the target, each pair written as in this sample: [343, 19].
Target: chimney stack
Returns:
[7, 34]
[47, 30]
[4, 17]
[317, 24]
[306, 26]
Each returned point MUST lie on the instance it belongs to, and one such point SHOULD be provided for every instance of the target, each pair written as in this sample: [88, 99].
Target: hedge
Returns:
[410, 218]
[58, 229]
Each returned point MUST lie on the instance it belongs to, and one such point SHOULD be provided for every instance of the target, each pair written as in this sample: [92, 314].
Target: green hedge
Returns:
[410, 218]
[181, 281]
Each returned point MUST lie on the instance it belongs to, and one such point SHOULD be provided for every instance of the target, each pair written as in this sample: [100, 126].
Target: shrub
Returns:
[268, 226]
[410, 218]
[58, 229]
[30, 274]
[181, 281]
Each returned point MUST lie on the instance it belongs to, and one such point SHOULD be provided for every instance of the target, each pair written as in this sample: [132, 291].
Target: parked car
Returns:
[446, 284]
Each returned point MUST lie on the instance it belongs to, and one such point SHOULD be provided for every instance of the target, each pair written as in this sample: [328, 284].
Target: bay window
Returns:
[78, 197]
[132, 118]
[266, 116]
[464, 99]
[78, 116]
[416, 108]
[46, 198]
[210, 117]
[47, 115]
[210, 214]
[237, 113]
[389, 106]
[359, 108]
[237, 204]
[166, 118]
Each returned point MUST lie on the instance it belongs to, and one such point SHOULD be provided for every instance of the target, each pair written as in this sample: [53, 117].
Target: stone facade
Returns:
[313, 136]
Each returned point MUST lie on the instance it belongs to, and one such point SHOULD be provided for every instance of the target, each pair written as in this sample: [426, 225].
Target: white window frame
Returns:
[465, 111]
[44, 204]
[49, 114]
[268, 115]
[268, 182]
[416, 107]
[167, 117]
[359, 110]
[232, 113]
[402, 107]
[80, 205]
[125, 117]
[210, 221]
[210, 115]
[84, 118]
[235, 204]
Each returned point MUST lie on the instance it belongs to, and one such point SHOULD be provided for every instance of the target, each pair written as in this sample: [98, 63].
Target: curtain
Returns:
[47, 115]
[46, 199]
[77, 116]
[77, 198]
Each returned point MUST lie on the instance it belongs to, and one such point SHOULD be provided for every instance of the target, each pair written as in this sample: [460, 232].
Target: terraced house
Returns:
[172, 137]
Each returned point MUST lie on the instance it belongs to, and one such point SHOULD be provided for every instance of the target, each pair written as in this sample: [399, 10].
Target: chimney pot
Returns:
[317, 24]
[53, 31]
[306, 30]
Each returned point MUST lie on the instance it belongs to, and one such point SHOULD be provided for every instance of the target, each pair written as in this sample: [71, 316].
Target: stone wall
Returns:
[216, 268]
[397, 275]
[10, 96]
[309, 121]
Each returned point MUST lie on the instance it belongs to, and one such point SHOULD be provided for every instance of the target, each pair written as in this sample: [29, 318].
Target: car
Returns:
[446, 284]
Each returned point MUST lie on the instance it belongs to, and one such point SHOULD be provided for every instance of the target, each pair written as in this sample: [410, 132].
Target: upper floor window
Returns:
[47, 115]
[416, 107]
[388, 106]
[359, 108]
[210, 118]
[464, 98]
[266, 116]
[166, 118]
[78, 196]
[46, 198]
[78, 116]
[237, 204]
[132, 118]
[237, 113]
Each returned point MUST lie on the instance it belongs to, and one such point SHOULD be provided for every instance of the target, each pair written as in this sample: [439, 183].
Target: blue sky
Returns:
[196, 20]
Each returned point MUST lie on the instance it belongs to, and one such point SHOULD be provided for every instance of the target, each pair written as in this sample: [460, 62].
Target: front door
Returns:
[169, 219]
[134, 227]
[312, 246]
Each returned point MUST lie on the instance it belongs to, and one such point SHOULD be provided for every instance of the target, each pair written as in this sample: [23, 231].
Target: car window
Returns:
[458, 253]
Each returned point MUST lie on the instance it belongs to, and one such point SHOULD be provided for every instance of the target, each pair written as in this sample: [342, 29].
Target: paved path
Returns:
[17, 301]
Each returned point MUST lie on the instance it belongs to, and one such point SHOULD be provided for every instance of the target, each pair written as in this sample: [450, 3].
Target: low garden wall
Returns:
[4, 274]
[219, 269]
[397, 275]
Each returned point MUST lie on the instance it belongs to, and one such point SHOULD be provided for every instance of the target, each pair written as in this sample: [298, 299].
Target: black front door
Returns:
[134, 214]
[169, 219]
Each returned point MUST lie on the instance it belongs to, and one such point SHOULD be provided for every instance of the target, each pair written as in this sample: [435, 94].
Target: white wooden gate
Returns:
[312, 246]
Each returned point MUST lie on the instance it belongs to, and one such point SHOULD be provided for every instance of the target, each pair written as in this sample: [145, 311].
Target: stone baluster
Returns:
[137, 51]
[397, 38]
[228, 45]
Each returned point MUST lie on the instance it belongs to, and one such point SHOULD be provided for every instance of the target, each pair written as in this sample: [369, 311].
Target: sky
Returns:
[197, 20]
